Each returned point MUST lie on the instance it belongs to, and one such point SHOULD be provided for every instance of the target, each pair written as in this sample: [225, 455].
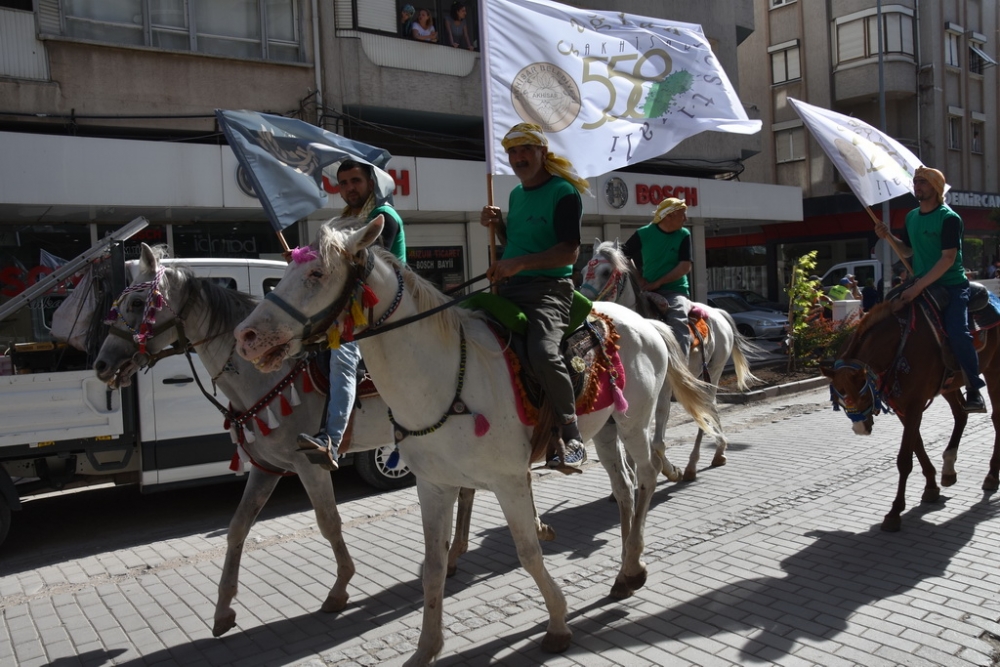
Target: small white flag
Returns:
[608, 88]
[876, 166]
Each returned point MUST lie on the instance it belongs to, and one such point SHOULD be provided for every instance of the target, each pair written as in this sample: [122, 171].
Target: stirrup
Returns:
[318, 449]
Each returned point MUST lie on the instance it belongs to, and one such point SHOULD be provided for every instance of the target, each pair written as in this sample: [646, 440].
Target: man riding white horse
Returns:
[661, 251]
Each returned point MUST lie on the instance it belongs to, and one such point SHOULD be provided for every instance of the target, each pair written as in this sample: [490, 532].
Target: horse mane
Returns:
[330, 245]
[878, 313]
[615, 255]
[226, 307]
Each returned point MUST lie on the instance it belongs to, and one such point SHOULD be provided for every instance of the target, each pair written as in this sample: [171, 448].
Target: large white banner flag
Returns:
[610, 89]
[876, 166]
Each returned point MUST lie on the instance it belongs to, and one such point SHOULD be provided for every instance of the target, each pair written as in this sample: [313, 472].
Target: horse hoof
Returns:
[931, 496]
[224, 623]
[672, 472]
[891, 524]
[719, 461]
[991, 483]
[452, 571]
[334, 603]
[556, 643]
[690, 475]
[546, 533]
[949, 480]
[621, 591]
[637, 581]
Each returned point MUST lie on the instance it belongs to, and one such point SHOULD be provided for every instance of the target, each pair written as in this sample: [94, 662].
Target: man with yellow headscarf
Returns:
[541, 236]
[932, 236]
[661, 251]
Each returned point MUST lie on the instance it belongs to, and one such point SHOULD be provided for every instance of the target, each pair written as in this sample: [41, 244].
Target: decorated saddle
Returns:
[697, 317]
[589, 351]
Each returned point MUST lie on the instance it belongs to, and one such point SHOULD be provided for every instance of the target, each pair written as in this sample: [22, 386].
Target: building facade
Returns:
[107, 112]
[940, 88]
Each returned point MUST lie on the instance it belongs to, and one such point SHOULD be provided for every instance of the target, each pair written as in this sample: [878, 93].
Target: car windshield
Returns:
[732, 304]
[755, 299]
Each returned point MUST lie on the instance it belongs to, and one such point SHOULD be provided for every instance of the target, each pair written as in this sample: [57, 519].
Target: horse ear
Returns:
[147, 260]
[616, 243]
[364, 237]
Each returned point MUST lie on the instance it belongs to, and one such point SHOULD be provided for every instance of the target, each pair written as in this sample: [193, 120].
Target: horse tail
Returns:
[697, 397]
[742, 348]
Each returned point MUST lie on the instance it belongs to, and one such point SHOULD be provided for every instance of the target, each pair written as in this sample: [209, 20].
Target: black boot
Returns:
[319, 449]
[974, 402]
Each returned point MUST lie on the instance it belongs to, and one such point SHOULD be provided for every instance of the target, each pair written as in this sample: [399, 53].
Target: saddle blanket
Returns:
[590, 373]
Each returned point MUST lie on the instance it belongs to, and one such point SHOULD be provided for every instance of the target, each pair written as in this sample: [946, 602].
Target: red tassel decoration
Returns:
[621, 405]
[286, 407]
[348, 329]
[226, 424]
[307, 385]
[368, 298]
[482, 426]
[264, 429]
[234, 465]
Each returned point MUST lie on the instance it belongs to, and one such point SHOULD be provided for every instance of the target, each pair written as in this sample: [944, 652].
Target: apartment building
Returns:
[107, 112]
[940, 87]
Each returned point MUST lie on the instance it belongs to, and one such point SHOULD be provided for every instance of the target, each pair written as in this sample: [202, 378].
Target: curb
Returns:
[772, 392]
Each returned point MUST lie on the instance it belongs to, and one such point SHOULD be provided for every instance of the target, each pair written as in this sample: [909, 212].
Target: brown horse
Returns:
[894, 362]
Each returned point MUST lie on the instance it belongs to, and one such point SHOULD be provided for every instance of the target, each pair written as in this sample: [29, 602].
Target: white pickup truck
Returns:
[62, 428]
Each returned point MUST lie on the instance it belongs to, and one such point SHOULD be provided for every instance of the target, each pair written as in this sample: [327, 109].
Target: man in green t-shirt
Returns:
[542, 240]
[661, 252]
[357, 188]
[932, 236]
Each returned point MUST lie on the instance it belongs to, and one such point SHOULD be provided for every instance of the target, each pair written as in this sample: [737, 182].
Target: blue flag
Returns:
[285, 159]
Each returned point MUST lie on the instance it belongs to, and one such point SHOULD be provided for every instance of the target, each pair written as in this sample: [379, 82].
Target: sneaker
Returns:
[974, 402]
[319, 449]
[574, 455]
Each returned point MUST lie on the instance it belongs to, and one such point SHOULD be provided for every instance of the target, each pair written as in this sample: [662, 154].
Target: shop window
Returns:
[785, 64]
[444, 266]
[252, 240]
[258, 29]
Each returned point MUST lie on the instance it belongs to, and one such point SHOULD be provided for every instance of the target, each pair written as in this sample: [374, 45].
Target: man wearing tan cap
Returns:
[661, 251]
[541, 236]
[932, 236]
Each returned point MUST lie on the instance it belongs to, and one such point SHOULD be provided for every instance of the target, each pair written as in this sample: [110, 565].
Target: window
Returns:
[951, 52]
[978, 59]
[785, 63]
[976, 141]
[779, 3]
[260, 29]
[440, 11]
[955, 132]
[789, 145]
[858, 38]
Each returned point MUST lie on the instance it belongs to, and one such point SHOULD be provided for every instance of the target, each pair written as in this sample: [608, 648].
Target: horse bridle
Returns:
[874, 385]
[148, 328]
[613, 287]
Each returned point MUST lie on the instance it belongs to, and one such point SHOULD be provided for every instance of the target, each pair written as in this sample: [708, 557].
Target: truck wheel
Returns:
[373, 467]
[4, 518]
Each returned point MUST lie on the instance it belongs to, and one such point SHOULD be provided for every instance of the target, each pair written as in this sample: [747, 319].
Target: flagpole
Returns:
[890, 239]
[484, 61]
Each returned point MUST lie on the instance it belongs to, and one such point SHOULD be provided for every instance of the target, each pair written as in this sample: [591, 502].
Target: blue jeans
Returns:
[343, 385]
[956, 324]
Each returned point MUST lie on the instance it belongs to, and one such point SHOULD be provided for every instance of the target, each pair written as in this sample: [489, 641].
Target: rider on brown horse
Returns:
[932, 236]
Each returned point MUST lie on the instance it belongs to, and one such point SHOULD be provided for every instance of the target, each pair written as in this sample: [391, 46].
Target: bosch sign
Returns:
[654, 194]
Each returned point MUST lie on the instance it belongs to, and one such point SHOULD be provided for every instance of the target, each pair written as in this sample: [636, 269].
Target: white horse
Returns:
[610, 276]
[471, 436]
[206, 314]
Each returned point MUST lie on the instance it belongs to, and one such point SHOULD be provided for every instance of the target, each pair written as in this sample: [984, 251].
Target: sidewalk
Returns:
[776, 558]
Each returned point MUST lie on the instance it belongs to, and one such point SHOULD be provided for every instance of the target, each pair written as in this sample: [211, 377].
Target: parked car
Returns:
[750, 321]
[755, 299]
